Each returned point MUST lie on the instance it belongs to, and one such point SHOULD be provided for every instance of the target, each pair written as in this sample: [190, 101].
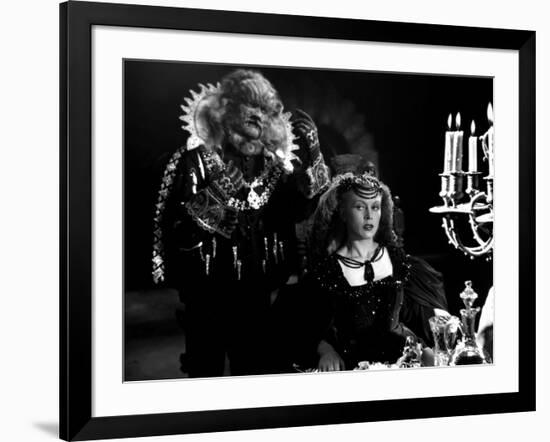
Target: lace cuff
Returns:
[316, 178]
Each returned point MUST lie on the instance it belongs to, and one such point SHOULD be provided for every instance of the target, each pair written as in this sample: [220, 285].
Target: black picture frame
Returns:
[76, 21]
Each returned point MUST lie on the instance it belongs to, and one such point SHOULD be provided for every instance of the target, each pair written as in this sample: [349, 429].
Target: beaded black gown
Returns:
[370, 322]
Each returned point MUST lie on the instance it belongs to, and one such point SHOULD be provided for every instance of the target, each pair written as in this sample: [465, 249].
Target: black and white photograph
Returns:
[284, 220]
[275, 221]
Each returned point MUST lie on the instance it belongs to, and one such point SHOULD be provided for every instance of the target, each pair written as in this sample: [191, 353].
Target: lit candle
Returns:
[239, 266]
[274, 248]
[457, 146]
[235, 256]
[448, 146]
[472, 149]
[491, 140]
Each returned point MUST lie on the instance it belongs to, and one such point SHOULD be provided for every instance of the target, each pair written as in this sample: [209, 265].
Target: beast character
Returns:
[225, 216]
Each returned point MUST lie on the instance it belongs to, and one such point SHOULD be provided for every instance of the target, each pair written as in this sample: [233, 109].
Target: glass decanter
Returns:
[468, 352]
[445, 331]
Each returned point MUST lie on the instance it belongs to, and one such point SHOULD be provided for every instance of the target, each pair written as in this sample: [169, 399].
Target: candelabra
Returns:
[474, 207]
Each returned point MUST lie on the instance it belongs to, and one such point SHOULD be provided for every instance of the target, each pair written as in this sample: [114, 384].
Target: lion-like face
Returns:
[250, 126]
[248, 121]
[251, 110]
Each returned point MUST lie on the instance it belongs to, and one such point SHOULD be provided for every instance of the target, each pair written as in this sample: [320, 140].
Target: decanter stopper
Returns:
[468, 295]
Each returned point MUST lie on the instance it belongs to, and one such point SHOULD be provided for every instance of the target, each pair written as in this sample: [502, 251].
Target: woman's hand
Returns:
[329, 359]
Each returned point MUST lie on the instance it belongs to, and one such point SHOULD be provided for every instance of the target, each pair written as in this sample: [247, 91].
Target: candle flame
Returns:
[473, 127]
[490, 113]
[449, 121]
[458, 121]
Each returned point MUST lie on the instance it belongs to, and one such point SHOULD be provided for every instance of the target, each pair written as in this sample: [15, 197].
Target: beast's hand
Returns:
[306, 132]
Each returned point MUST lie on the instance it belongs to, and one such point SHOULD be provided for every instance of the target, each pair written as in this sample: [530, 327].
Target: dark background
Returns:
[398, 120]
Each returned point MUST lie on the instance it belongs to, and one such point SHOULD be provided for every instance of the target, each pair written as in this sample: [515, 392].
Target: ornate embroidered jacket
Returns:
[251, 230]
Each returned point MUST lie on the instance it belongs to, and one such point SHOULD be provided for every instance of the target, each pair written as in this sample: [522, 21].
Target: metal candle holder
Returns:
[475, 205]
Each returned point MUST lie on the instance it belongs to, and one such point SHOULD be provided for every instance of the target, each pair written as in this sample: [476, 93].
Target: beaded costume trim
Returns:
[331, 278]
[165, 189]
[256, 200]
[347, 181]
[207, 212]
[213, 163]
[267, 180]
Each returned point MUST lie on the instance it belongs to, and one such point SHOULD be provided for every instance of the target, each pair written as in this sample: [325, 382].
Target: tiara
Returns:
[350, 181]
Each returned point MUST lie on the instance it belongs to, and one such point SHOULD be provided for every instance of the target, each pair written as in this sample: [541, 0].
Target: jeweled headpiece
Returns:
[365, 185]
